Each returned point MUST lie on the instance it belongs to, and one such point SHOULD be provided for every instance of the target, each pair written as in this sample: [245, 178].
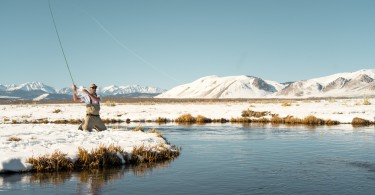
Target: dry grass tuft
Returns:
[143, 154]
[64, 121]
[101, 157]
[250, 113]
[13, 139]
[56, 111]
[366, 102]
[220, 120]
[292, 120]
[108, 120]
[110, 103]
[6, 119]
[185, 118]
[277, 120]
[331, 122]
[161, 120]
[40, 121]
[240, 120]
[57, 161]
[312, 120]
[202, 119]
[309, 120]
[261, 120]
[360, 122]
[286, 104]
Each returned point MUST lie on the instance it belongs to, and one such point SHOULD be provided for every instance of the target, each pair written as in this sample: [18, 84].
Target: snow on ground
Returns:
[41, 139]
[343, 110]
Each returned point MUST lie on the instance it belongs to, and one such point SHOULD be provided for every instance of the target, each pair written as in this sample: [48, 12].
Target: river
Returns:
[231, 159]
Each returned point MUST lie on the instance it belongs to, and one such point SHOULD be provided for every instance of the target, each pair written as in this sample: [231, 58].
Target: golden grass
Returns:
[261, 120]
[64, 121]
[286, 104]
[240, 120]
[185, 118]
[57, 161]
[331, 122]
[309, 120]
[360, 121]
[143, 154]
[292, 120]
[111, 120]
[102, 157]
[250, 113]
[277, 120]
[13, 139]
[5, 119]
[110, 103]
[312, 120]
[161, 120]
[366, 102]
[40, 121]
[220, 120]
[202, 119]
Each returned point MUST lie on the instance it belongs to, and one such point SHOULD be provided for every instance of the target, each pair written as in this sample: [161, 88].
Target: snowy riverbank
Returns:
[41, 139]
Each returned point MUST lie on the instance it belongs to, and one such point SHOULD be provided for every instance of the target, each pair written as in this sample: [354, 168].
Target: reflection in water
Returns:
[88, 181]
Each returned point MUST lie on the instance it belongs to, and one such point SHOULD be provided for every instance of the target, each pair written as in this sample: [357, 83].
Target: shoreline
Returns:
[341, 110]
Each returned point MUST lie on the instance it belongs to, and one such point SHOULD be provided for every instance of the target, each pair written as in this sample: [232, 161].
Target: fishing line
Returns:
[127, 48]
[58, 36]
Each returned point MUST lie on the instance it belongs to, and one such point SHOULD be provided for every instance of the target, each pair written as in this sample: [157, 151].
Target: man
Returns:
[92, 119]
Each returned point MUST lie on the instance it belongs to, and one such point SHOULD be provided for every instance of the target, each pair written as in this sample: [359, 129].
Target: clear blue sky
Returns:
[165, 43]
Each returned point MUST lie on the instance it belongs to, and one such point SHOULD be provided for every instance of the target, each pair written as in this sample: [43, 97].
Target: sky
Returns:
[166, 43]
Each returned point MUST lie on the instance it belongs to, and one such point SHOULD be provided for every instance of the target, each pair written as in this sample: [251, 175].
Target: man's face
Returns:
[93, 89]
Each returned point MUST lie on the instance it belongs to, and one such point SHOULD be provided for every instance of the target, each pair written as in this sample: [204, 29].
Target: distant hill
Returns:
[352, 84]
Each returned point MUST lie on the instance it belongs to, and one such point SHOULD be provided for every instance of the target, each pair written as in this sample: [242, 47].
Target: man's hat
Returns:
[93, 86]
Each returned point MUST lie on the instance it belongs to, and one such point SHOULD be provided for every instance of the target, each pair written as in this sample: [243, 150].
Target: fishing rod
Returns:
[58, 36]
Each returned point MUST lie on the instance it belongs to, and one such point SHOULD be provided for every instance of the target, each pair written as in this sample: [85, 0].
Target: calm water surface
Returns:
[231, 159]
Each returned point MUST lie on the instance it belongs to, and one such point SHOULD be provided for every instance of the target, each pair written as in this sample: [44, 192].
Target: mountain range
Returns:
[349, 84]
[39, 91]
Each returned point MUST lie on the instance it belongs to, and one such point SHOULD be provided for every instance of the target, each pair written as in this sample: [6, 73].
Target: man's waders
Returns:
[92, 119]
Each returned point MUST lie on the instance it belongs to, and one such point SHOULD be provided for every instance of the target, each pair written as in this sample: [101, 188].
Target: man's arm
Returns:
[75, 97]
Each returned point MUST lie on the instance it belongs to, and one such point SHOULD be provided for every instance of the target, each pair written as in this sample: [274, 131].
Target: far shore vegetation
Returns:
[247, 116]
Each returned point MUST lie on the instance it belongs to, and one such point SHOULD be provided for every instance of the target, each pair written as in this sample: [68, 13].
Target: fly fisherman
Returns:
[92, 119]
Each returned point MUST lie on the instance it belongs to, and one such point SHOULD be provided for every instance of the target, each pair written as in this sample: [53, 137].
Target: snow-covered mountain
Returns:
[351, 84]
[225, 87]
[31, 86]
[38, 91]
